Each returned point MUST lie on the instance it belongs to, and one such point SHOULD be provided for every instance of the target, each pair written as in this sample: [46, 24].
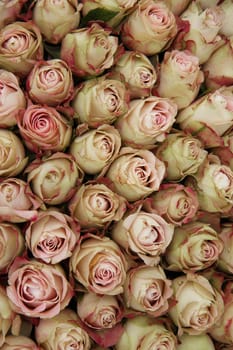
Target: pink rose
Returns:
[19, 342]
[36, 289]
[9, 10]
[177, 6]
[225, 262]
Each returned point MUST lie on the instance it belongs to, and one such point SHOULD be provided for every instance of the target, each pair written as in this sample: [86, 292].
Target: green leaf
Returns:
[98, 14]
[52, 50]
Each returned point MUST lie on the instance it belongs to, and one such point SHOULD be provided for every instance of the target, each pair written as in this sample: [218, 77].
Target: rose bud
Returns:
[12, 245]
[99, 265]
[56, 19]
[96, 148]
[143, 235]
[44, 129]
[195, 246]
[147, 290]
[62, 332]
[180, 77]
[9, 10]
[13, 342]
[17, 201]
[176, 203]
[138, 72]
[54, 179]
[100, 101]
[225, 262]
[202, 37]
[177, 6]
[213, 184]
[146, 333]
[50, 82]
[198, 305]
[193, 342]
[136, 173]
[20, 47]
[52, 237]
[147, 121]
[183, 155]
[149, 28]
[12, 151]
[99, 311]
[94, 42]
[11, 99]
[96, 205]
[36, 289]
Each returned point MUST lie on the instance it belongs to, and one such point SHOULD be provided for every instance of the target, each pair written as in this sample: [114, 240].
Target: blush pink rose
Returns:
[13, 342]
[9, 10]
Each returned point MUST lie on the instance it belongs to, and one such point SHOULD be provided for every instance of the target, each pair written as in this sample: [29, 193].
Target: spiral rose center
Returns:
[51, 243]
[107, 318]
[153, 294]
[145, 77]
[156, 16]
[15, 43]
[50, 77]
[209, 250]
[111, 99]
[103, 143]
[10, 192]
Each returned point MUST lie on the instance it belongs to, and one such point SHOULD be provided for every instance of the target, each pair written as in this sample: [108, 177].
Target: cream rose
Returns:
[177, 6]
[136, 173]
[147, 121]
[143, 235]
[13, 342]
[9, 10]
[99, 265]
[193, 342]
[225, 262]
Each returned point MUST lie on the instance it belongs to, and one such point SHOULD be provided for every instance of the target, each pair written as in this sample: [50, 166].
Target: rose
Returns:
[96, 148]
[99, 265]
[202, 38]
[138, 71]
[20, 46]
[94, 41]
[96, 205]
[11, 245]
[180, 77]
[36, 289]
[225, 262]
[143, 332]
[147, 289]
[176, 203]
[143, 235]
[100, 101]
[52, 237]
[198, 305]
[183, 155]
[147, 121]
[9, 11]
[227, 8]
[136, 173]
[50, 82]
[99, 311]
[44, 129]
[56, 18]
[11, 99]
[177, 7]
[17, 201]
[149, 28]
[195, 246]
[193, 342]
[62, 332]
[54, 179]
[13, 342]
[12, 154]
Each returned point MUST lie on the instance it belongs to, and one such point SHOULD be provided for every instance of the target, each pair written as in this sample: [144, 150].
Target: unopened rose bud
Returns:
[193, 342]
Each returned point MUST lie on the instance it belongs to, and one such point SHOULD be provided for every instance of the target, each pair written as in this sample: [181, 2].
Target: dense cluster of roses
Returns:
[116, 168]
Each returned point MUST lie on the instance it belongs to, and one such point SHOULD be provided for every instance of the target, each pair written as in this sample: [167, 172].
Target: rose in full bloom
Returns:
[43, 129]
[147, 121]
[100, 101]
[143, 332]
[180, 77]
[193, 342]
[99, 265]
[149, 28]
[9, 10]
[50, 82]
[11, 99]
[20, 47]
[62, 332]
[12, 244]
[96, 205]
[225, 262]
[143, 235]
[99, 311]
[96, 148]
[195, 246]
[198, 304]
[138, 71]
[136, 173]
[147, 289]
[12, 154]
[54, 179]
[177, 6]
[56, 18]
[183, 155]
[36, 289]
[13, 342]
[97, 46]
[176, 203]
[52, 237]
[17, 201]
